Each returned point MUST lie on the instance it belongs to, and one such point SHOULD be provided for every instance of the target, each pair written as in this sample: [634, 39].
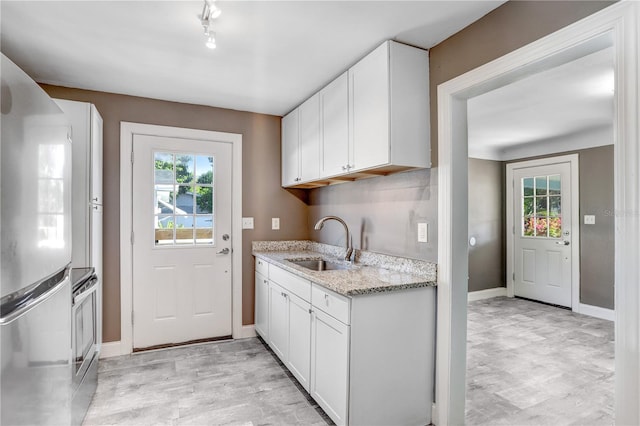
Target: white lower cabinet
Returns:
[262, 306]
[366, 359]
[299, 327]
[278, 321]
[330, 365]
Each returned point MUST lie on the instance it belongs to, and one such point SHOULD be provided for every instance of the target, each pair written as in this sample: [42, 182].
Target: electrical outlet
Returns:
[589, 219]
[275, 223]
[423, 232]
[247, 223]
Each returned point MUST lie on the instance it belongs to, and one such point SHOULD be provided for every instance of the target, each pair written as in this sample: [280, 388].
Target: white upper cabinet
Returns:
[301, 143]
[369, 110]
[373, 119]
[96, 157]
[290, 149]
[334, 110]
[310, 139]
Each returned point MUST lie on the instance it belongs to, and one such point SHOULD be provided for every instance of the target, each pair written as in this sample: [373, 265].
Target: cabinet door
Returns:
[330, 365]
[369, 110]
[299, 357]
[278, 321]
[310, 139]
[96, 157]
[290, 149]
[334, 107]
[262, 306]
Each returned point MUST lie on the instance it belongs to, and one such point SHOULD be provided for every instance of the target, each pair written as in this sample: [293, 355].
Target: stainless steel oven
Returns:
[84, 340]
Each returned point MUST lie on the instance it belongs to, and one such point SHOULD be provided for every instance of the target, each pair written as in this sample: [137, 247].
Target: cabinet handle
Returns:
[345, 167]
[326, 299]
[266, 282]
[94, 199]
[310, 311]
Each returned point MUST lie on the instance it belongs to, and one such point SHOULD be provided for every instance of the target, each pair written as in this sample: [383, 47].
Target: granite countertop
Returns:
[371, 273]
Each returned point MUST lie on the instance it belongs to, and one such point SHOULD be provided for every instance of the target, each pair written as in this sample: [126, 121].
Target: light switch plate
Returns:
[423, 234]
[275, 223]
[589, 219]
[247, 223]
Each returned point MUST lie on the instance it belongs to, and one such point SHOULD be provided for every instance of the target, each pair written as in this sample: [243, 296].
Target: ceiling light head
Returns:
[211, 40]
[210, 10]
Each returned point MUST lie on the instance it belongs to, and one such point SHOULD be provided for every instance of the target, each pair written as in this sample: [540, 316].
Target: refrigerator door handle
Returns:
[14, 306]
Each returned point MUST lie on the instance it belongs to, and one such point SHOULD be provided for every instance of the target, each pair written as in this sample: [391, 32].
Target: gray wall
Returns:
[597, 241]
[487, 267]
[382, 213]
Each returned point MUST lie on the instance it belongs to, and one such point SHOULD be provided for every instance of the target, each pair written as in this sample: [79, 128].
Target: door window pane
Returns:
[541, 206]
[183, 211]
[527, 186]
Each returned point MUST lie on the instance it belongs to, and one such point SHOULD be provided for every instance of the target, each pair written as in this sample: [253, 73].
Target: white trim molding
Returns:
[597, 312]
[488, 293]
[111, 349]
[127, 132]
[247, 331]
[619, 22]
[574, 162]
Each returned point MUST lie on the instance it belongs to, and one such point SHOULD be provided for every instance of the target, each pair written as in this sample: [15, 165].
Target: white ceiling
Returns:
[271, 55]
[563, 108]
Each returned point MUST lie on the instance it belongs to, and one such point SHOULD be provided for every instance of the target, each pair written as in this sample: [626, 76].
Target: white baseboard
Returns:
[111, 349]
[434, 413]
[248, 331]
[596, 311]
[489, 293]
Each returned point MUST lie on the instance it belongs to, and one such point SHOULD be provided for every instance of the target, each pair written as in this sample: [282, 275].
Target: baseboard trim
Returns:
[111, 349]
[596, 311]
[248, 331]
[489, 293]
[434, 413]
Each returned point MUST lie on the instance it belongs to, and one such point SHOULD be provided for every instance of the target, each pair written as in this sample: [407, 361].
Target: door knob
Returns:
[563, 243]
[223, 251]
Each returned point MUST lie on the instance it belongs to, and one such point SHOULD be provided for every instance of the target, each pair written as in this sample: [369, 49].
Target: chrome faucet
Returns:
[348, 244]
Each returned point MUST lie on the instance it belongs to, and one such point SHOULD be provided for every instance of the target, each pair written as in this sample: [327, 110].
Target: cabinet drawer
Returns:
[262, 267]
[331, 303]
[296, 285]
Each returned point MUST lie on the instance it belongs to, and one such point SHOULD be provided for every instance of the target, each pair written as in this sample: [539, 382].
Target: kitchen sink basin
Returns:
[322, 265]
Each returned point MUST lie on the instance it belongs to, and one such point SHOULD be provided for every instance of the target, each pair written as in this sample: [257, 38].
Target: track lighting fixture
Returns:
[210, 12]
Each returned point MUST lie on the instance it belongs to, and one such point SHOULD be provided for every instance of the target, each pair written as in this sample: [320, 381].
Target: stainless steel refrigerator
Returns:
[35, 228]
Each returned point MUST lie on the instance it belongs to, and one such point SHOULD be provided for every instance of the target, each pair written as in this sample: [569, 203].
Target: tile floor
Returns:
[533, 364]
[233, 382]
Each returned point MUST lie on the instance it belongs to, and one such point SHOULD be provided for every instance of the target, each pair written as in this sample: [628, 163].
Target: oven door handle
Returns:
[91, 289]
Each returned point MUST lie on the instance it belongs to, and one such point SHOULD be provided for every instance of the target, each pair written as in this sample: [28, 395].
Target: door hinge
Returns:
[131, 317]
[132, 238]
[513, 277]
[131, 157]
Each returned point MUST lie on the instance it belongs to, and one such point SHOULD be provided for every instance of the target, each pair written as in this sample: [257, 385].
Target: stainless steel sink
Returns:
[321, 265]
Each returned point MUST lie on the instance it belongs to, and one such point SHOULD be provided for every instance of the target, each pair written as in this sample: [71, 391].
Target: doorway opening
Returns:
[561, 47]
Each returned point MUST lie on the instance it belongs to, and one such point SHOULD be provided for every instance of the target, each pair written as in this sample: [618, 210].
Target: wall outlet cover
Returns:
[247, 223]
[275, 223]
[589, 219]
[423, 234]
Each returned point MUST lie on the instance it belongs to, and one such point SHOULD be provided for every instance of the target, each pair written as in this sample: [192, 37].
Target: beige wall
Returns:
[383, 212]
[262, 196]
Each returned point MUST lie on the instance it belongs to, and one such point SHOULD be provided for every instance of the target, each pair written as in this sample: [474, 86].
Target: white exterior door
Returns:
[182, 240]
[542, 198]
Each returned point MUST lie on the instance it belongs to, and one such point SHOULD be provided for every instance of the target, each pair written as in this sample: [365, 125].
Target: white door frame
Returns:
[127, 132]
[575, 222]
[622, 20]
